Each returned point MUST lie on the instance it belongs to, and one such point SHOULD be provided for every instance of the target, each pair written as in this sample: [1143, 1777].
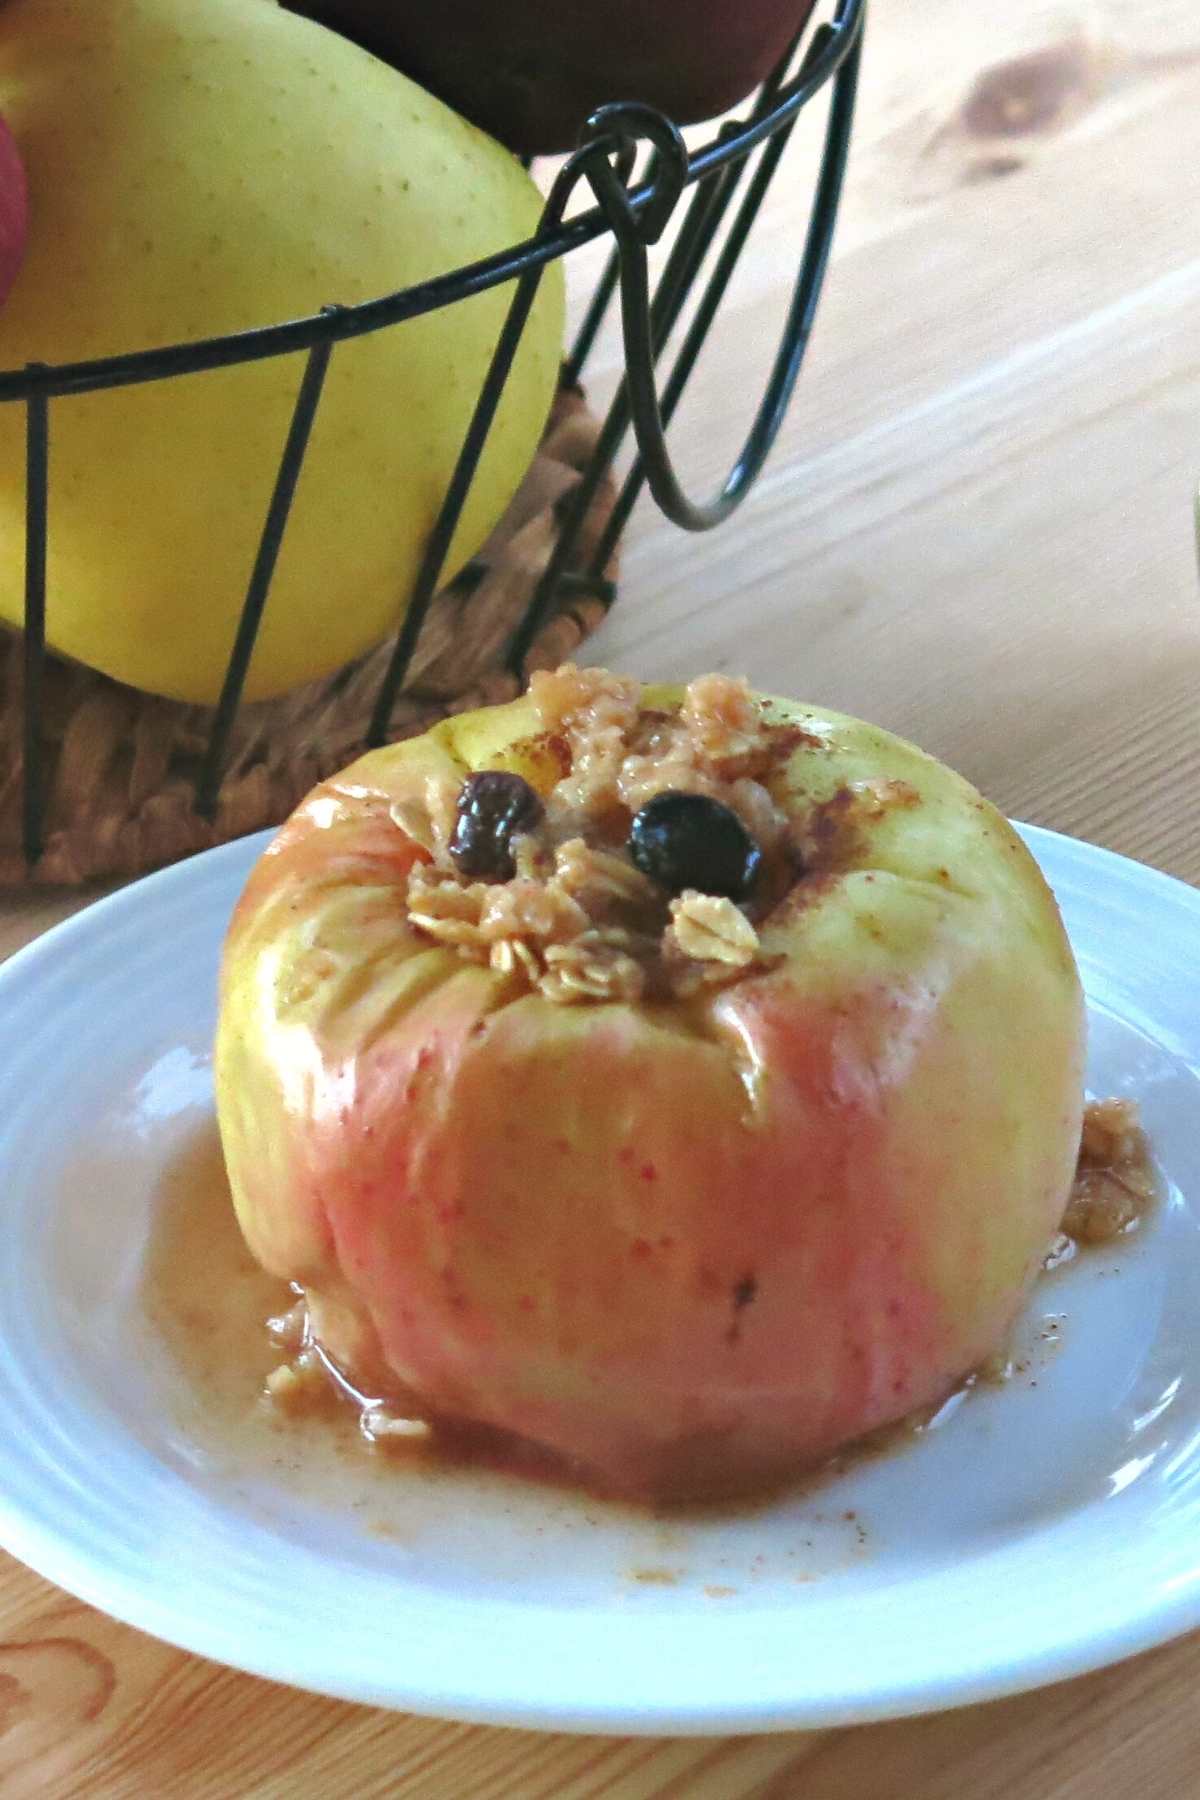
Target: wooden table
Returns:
[977, 531]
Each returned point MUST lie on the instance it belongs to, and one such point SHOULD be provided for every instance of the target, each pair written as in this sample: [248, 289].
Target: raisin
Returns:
[493, 808]
[686, 840]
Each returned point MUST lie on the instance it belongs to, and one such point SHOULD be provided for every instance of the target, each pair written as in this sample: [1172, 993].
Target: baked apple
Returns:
[681, 1081]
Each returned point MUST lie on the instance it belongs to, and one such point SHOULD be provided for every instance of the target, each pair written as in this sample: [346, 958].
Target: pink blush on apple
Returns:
[14, 210]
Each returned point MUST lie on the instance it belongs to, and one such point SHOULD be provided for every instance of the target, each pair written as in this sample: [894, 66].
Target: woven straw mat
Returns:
[119, 766]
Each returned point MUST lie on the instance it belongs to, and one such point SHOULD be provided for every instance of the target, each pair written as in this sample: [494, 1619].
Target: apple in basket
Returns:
[682, 1081]
[533, 70]
[200, 167]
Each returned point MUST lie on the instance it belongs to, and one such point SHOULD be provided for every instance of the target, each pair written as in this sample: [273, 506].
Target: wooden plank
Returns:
[976, 529]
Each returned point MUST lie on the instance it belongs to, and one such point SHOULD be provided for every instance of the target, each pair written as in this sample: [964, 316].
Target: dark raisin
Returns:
[689, 841]
[493, 808]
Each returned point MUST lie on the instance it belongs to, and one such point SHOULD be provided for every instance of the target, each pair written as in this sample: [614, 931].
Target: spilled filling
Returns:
[1115, 1180]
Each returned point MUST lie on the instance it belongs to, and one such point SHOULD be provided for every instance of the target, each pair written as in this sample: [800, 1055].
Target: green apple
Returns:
[686, 1246]
[205, 166]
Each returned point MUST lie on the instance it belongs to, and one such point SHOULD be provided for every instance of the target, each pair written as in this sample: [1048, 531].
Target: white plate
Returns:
[1046, 1528]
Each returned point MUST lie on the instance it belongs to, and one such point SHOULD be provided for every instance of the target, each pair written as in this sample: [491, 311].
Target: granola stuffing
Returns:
[577, 921]
[1115, 1181]
[711, 929]
[300, 1384]
[591, 969]
[392, 1431]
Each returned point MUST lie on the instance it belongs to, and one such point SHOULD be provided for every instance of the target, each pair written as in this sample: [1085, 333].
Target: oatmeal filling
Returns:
[1115, 1181]
[646, 868]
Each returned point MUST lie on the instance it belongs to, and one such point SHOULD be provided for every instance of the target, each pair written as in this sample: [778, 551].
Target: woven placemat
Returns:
[120, 766]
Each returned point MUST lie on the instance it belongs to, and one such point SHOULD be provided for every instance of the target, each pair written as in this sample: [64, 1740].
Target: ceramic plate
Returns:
[1042, 1529]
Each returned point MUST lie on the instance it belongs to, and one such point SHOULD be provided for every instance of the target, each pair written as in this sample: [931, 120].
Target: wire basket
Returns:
[633, 211]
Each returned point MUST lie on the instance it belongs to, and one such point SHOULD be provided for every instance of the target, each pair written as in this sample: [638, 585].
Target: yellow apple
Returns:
[685, 1245]
[204, 166]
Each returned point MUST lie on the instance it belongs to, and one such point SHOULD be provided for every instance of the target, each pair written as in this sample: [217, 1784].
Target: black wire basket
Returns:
[633, 211]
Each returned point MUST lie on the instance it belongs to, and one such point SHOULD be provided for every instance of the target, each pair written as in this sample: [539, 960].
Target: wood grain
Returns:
[976, 529]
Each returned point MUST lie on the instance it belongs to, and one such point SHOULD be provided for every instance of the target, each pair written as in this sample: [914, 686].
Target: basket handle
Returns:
[635, 230]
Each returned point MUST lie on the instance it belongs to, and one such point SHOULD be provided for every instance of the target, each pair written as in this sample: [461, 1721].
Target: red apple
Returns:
[14, 210]
[531, 71]
[688, 1246]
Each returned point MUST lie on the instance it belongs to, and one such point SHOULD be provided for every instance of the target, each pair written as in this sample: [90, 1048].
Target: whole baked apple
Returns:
[531, 71]
[682, 1081]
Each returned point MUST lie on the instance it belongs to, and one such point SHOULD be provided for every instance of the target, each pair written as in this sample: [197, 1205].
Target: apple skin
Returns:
[207, 166]
[531, 71]
[14, 210]
[689, 1248]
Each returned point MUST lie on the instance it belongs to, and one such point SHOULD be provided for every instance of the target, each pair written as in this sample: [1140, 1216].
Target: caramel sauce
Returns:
[204, 1295]
[206, 1303]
